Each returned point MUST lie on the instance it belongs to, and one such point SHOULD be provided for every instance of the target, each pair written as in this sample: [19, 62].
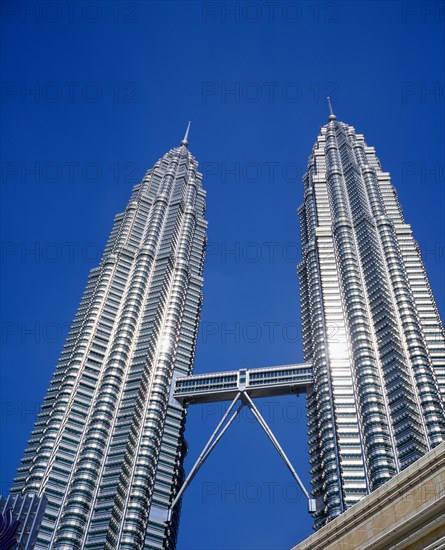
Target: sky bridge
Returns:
[261, 382]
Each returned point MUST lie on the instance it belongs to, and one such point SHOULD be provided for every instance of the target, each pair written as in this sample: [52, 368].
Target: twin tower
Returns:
[104, 465]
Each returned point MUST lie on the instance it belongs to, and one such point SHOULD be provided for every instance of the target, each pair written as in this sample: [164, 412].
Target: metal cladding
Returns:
[107, 448]
[371, 328]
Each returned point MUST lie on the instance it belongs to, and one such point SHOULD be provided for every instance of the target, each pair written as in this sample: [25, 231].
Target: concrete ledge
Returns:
[408, 512]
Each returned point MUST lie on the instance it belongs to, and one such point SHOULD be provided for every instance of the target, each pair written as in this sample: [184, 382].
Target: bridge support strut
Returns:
[219, 432]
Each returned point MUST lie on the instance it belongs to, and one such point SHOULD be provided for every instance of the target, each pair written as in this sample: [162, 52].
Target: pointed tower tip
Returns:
[186, 137]
[331, 112]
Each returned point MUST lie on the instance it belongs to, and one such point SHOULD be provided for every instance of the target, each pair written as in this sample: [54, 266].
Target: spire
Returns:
[331, 112]
[185, 140]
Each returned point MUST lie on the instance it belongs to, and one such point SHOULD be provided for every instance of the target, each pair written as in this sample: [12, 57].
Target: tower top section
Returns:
[331, 112]
[185, 140]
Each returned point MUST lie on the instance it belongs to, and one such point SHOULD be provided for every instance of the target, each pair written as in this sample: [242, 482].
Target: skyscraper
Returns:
[106, 452]
[371, 329]
[107, 448]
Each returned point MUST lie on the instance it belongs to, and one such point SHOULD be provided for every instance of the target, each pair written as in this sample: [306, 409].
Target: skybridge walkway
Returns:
[261, 382]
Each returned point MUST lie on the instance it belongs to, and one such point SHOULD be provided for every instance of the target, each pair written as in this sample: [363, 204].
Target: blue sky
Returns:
[94, 93]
